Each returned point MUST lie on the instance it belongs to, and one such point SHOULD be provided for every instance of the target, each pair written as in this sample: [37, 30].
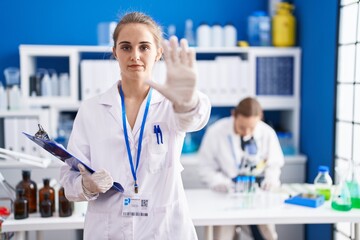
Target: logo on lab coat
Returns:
[127, 201]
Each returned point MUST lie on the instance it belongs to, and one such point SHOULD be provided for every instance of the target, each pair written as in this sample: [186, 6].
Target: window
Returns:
[347, 135]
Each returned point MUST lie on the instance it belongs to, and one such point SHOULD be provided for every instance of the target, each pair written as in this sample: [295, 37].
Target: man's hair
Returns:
[249, 107]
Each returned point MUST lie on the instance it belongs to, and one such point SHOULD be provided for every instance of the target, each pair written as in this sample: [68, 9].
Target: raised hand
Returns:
[180, 84]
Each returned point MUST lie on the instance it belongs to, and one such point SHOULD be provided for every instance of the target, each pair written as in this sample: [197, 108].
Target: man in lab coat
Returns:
[241, 145]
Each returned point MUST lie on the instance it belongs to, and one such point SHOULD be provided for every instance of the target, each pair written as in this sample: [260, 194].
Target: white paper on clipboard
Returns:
[61, 153]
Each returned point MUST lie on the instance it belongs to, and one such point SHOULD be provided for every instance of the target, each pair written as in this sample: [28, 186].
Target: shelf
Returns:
[192, 159]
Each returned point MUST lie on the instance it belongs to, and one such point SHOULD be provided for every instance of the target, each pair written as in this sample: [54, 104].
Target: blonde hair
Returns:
[249, 107]
[138, 17]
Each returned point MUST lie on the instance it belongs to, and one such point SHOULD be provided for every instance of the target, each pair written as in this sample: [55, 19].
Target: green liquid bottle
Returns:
[354, 187]
[323, 182]
[341, 199]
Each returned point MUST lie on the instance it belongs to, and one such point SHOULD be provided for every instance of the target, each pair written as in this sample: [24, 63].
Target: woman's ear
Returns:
[159, 54]
[114, 53]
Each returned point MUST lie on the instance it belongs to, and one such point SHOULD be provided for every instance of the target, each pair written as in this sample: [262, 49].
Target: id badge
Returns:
[135, 206]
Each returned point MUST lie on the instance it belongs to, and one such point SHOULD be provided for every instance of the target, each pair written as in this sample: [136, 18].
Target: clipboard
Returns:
[61, 153]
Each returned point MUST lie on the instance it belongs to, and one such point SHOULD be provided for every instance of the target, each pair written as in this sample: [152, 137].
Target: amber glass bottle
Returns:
[30, 190]
[20, 205]
[46, 206]
[47, 189]
[65, 207]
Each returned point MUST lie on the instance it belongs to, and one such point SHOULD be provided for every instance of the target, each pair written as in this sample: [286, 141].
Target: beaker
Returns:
[12, 76]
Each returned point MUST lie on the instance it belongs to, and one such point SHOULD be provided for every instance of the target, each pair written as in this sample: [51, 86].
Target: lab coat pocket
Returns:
[158, 142]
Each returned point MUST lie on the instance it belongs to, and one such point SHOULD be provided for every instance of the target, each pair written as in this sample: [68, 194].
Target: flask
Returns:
[65, 207]
[323, 182]
[189, 33]
[259, 29]
[230, 35]
[283, 32]
[47, 189]
[46, 206]
[203, 35]
[21, 204]
[217, 35]
[341, 199]
[354, 188]
[30, 190]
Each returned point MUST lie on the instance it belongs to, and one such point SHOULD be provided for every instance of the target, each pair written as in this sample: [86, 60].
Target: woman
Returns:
[133, 134]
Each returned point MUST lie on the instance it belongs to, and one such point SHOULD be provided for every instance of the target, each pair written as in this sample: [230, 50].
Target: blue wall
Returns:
[70, 22]
[317, 22]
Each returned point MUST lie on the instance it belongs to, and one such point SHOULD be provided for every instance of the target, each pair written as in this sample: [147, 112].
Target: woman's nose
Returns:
[135, 56]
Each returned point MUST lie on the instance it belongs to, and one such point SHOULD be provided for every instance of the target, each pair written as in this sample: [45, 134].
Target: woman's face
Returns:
[136, 51]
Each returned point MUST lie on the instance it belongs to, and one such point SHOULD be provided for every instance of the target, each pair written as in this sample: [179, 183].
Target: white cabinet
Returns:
[226, 75]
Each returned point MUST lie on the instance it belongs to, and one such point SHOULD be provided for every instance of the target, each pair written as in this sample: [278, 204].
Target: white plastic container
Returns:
[46, 89]
[203, 35]
[64, 83]
[230, 35]
[14, 98]
[217, 36]
[323, 182]
[3, 98]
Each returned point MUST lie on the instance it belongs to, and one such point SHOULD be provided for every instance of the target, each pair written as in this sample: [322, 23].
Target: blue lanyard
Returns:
[134, 170]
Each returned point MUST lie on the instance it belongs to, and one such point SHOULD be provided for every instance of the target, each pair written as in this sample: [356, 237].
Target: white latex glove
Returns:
[268, 185]
[222, 188]
[180, 84]
[97, 182]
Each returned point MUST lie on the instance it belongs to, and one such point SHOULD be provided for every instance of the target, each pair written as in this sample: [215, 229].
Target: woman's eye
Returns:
[144, 48]
[125, 48]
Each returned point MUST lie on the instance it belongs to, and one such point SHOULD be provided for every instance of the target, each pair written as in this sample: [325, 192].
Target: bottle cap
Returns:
[26, 173]
[323, 169]
[46, 181]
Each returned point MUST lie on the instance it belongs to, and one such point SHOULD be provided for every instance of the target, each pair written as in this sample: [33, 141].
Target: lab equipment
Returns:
[46, 88]
[21, 210]
[230, 35]
[259, 29]
[46, 189]
[307, 199]
[189, 32]
[341, 199]
[30, 190]
[323, 182]
[12, 76]
[104, 33]
[46, 206]
[203, 35]
[284, 23]
[171, 30]
[217, 35]
[14, 98]
[354, 187]
[65, 206]
[3, 99]
[64, 84]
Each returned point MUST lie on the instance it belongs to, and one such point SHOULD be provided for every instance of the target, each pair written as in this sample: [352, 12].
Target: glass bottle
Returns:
[65, 207]
[21, 210]
[46, 206]
[323, 182]
[341, 199]
[47, 189]
[30, 190]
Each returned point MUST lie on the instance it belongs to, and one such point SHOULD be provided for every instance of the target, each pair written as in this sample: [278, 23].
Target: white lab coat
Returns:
[98, 140]
[220, 153]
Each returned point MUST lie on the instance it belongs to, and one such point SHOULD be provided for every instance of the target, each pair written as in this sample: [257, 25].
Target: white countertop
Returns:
[208, 208]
